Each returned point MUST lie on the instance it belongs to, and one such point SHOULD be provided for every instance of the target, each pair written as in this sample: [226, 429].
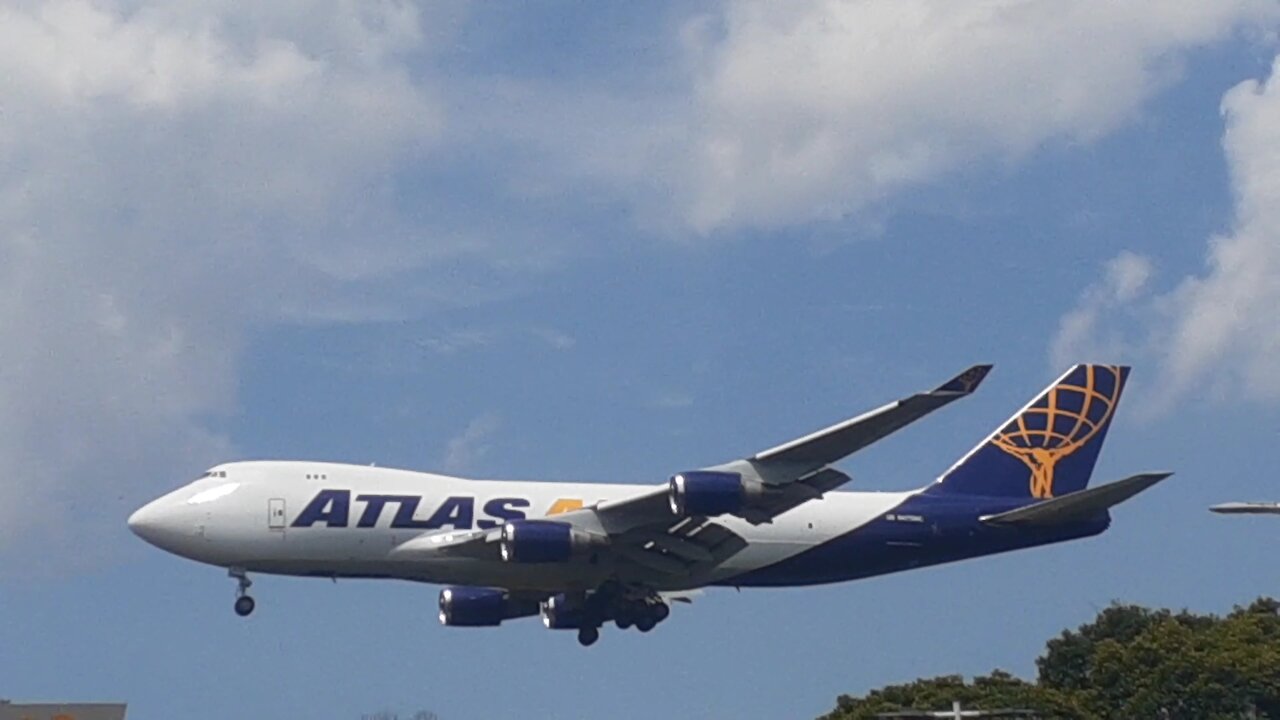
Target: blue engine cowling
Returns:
[472, 607]
[559, 614]
[481, 607]
[706, 492]
[544, 541]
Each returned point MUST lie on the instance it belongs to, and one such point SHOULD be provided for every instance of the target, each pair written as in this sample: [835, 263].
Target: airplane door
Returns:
[275, 514]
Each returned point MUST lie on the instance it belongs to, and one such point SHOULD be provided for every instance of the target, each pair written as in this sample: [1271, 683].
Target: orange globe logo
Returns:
[1061, 422]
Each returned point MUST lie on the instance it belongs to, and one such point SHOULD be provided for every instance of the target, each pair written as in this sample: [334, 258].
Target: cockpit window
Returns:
[213, 493]
[214, 474]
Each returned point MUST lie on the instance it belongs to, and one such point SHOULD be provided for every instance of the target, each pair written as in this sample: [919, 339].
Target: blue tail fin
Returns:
[1050, 447]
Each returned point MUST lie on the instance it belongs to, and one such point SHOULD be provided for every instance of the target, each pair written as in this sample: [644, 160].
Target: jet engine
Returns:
[481, 607]
[711, 492]
[544, 541]
[559, 614]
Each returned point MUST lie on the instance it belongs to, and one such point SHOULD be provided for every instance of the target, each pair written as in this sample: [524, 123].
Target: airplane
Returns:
[581, 555]
[1247, 508]
[957, 712]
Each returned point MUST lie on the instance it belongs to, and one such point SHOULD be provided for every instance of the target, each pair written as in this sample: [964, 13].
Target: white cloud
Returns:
[1079, 338]
[469, 447]
[172, 175]
[459, 340]
[1225, 319]
[813, 110]
[454, 341]
[1218, 327]
[555, 339]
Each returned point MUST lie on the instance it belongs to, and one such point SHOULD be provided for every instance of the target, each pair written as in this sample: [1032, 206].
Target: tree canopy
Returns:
[1129, 662]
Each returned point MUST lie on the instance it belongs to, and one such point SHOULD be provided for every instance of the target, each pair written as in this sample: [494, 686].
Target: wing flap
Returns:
[477, 544]
[678, 546]
[688, 547]
[790, 496]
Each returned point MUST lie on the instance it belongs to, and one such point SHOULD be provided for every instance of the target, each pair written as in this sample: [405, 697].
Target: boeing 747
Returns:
[582, 555]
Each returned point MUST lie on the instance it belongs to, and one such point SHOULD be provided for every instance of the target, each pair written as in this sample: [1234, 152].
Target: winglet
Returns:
[966, 382]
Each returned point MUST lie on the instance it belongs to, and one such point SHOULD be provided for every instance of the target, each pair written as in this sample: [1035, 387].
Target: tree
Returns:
[1129, 662]
[990, 692]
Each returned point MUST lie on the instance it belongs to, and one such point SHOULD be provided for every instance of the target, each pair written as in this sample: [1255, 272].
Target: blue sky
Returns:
[609, 243]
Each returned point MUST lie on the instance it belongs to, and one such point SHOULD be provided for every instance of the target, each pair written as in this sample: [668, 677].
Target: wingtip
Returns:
[967, 381]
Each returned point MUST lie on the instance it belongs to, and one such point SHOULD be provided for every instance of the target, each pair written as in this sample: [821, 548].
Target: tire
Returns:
[244, 605]
[588, 636]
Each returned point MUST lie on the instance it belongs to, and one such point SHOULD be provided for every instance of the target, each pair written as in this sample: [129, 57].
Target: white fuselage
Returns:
[336, 520]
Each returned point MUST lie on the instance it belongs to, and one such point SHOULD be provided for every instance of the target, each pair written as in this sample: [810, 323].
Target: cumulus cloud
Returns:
[1219, 325]
[172, 175]
[469, 447]
[1227, 315]
[175, 175]
[814, 110]
[1079, 337]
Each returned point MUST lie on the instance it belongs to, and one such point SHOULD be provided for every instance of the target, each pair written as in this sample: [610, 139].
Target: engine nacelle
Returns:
[544, 541]
[472, 606]
[559, 614]
[710, 492]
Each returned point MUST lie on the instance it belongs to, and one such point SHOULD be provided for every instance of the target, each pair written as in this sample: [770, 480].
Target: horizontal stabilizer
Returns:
[1076, 505]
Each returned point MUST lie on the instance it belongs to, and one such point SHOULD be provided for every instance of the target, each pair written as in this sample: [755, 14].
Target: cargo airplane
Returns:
[582, 555]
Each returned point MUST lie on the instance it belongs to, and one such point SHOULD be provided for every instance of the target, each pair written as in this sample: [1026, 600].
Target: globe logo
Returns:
[1061, 422]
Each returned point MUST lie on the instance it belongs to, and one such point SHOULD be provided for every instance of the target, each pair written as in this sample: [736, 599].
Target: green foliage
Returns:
[995, 691]
[1130, 662]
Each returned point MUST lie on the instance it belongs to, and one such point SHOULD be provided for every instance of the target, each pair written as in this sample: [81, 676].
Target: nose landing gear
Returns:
[244, 603]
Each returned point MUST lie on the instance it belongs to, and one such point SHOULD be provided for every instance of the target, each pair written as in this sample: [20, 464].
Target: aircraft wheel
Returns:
[623, 622]
[646, 623]
[244, 605]
[588, 636]
[661, 611]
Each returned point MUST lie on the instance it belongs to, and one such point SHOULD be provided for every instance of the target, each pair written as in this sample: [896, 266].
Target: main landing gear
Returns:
[244, 603]
[643, 615]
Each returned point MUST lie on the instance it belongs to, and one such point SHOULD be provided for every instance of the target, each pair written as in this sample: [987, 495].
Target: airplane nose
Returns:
[145, 522]
[171, 524]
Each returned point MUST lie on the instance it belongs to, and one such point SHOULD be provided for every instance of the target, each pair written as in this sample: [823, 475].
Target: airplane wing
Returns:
[797, 458]
[1247, 508]
[656, 535]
